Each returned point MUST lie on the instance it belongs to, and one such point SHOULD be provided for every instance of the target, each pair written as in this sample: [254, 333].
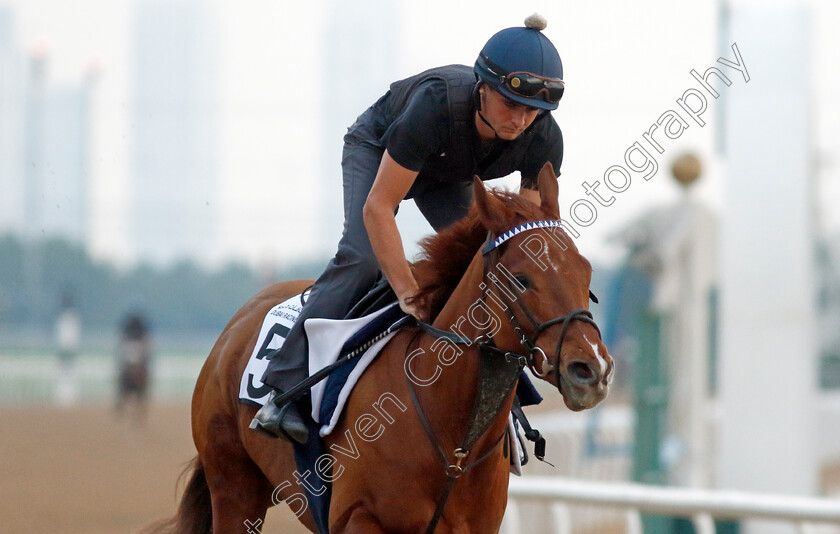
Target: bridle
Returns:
[491, 257]
[486, 346]
[491, 253]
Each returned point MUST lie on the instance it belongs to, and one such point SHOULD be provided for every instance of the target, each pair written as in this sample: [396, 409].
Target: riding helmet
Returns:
[520, 49]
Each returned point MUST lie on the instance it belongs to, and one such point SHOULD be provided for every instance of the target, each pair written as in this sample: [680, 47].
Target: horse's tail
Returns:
[195, 512]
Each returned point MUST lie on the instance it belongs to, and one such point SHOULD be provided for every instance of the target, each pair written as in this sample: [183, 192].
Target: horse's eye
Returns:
[523, 281]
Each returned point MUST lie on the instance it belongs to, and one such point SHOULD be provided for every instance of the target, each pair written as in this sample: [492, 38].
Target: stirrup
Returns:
[271, 421]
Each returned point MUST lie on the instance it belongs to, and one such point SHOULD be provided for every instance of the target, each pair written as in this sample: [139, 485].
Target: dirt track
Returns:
[81, 470]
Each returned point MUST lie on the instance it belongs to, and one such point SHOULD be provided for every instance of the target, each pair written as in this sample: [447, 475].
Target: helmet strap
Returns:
[478, 96]
[481, 116]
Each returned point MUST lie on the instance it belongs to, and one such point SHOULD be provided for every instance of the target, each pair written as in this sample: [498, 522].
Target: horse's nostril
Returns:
[581, 373]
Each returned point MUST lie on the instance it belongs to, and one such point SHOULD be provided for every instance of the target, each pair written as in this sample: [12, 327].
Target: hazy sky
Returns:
[625, 64]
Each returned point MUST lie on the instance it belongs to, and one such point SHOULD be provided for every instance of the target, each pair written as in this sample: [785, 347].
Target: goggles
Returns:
[530, 85]
[526, 84]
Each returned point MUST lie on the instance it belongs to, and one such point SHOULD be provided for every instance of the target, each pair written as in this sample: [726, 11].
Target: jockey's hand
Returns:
[413, 309]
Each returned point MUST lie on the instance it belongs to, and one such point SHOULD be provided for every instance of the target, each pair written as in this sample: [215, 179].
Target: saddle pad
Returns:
[326, 339]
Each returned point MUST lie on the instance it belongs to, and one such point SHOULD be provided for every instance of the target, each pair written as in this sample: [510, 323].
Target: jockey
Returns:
[424, 140]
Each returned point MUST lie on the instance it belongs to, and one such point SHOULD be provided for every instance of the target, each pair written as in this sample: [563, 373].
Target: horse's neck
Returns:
[468, 291]
[458, 380]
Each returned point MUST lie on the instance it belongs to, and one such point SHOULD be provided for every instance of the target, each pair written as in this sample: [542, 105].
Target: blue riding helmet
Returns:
[523, 65]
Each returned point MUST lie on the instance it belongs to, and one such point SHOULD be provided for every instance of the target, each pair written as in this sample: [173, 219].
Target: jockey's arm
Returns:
[389, 188]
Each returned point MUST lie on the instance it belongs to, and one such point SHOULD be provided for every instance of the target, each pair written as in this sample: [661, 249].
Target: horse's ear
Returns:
[549, 190]
[488, 206]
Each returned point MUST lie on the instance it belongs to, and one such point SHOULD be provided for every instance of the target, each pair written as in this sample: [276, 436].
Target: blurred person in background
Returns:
[424, 140]
[133, 355]
[68, 333]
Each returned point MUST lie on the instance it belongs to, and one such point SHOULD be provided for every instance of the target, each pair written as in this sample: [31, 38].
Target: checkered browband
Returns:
[533, 225]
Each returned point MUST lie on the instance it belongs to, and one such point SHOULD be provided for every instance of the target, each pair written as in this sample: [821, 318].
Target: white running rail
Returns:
[701, 506]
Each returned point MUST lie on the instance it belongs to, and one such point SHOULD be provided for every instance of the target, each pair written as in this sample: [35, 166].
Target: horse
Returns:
[133, 355]
[408, 454]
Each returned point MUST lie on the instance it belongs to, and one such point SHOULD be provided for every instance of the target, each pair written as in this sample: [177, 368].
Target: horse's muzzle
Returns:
[582, 384]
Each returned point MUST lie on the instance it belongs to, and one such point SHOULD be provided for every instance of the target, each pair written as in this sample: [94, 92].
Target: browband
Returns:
[533, 225]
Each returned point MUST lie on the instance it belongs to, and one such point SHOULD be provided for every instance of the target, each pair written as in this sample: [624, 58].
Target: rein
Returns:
[511, 363]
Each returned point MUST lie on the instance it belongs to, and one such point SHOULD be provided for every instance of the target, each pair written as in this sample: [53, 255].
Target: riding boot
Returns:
[280, 421]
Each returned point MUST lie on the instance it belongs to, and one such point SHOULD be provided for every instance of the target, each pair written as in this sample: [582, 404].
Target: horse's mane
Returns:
[445, 256]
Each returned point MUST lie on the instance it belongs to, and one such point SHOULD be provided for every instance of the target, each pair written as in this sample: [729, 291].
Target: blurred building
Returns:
[675, 249]
[173, 195]
[44, 144]
[11, 124]
[65, 173]
[828, 309]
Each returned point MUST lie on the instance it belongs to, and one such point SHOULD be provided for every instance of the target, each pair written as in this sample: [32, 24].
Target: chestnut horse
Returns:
[399, 460]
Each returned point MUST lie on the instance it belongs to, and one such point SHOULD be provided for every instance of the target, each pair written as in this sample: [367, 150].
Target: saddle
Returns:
[379, 296]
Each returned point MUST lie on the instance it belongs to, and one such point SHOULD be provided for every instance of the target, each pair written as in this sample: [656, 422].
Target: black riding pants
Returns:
[354, 269]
